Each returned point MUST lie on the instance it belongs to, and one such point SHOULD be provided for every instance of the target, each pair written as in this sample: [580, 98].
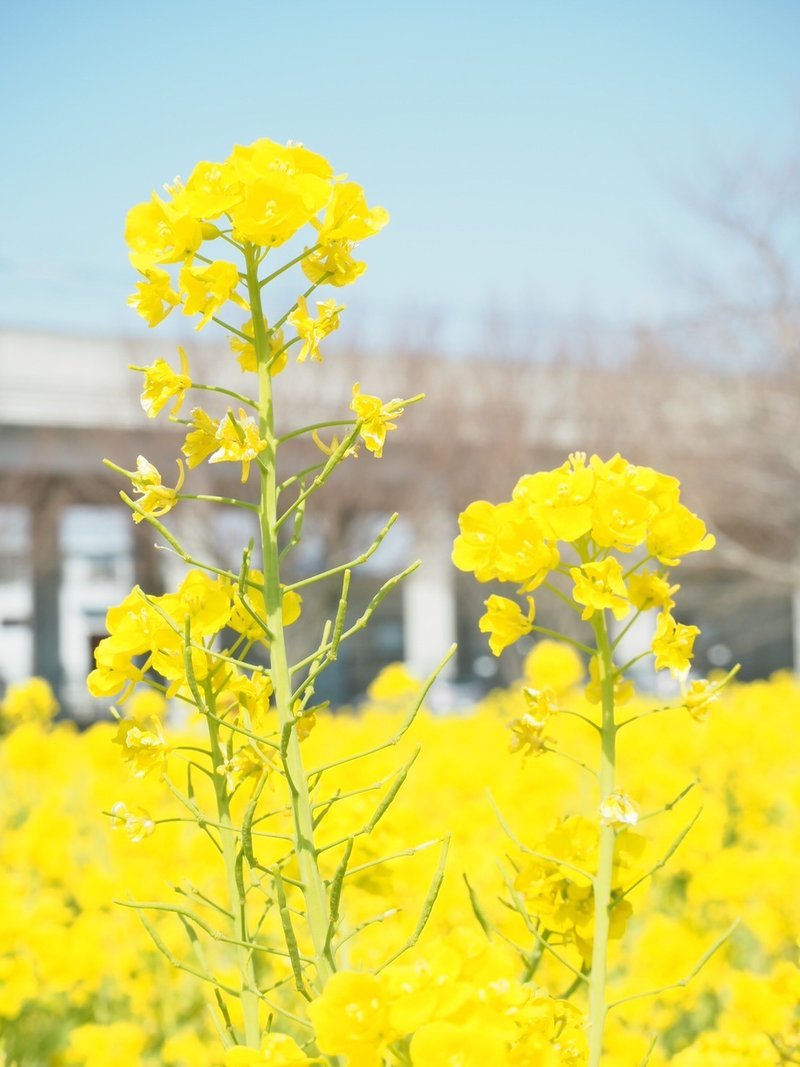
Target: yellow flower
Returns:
[247, 352]
[599, 586]
[672, 644]
[158, 233]
[248, 761]
[29, 701]
[95, 1045]
[623, 688]
[238, 441]
[305, 723]
[443, 1042]
[264, 157]
[620, 516]
[284, 187]
[503, 541]
[646, 591]
[528, 729]
[161, 384]
[347, 216]
[135, 628]
[554, 666]
[699, 697]
[202, 440]
[136, 822]
[154, 298]
[211, 190]
[146, 750]
[553, 1035]
[242, 620]
[504, 622]
[156, 499]
[246, 694]
[541, 703]
[312, 331]
[146, 704]
[276, 1050]
[560, 499]
[393, 683]
[170, 662]
[618, 810]
[113, 672]
[333, 264]
[351, 1017]
[207, 289]
[375, 418]
[676, 533]
[205, 600]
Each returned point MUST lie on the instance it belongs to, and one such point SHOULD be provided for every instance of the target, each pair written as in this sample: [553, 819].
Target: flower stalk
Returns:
[313, 886]
[602, 881]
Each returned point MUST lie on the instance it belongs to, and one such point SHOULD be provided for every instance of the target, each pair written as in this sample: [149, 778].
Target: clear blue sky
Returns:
[528, 152]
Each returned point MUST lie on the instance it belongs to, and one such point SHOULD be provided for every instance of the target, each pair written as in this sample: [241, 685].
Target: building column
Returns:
[45, 512]
[429, 599]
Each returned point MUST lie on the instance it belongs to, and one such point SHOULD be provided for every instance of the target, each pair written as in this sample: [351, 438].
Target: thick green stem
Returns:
[598, 1006]
[313, 885]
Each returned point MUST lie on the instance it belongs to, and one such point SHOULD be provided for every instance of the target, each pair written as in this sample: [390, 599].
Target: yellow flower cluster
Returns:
[263, 194]
[83, 983]
[457, 1001]
[30, 701]
[147, 634]
[594, 508]
[557, 882]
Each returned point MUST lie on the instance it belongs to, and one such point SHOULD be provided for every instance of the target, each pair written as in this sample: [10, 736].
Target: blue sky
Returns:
[529, 153]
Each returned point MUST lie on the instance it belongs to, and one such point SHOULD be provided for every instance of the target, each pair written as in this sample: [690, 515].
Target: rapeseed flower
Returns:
[162, 383]
[375, 417]
[155, 498]
[504, 622]
[314, 330]
[238, 441]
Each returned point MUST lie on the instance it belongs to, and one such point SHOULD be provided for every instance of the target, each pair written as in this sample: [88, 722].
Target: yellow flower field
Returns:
[84, 984]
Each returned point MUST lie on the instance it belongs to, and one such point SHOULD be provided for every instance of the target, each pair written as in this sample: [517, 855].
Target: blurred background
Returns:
[594, 245]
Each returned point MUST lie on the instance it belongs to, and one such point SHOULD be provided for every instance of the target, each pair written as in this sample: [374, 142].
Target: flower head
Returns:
[351, 1017]
[672, 644]
[29, 701]
[599, 586]
[156, 499]
[154, 297]
[156, 232]
[245, 346]
[162, 383]
[207, 289]
[310, 330]
[136, 822]
[145, 749]
[504, 622]
[200, 441]
[376, 418]
[238, 441]
[618, 810]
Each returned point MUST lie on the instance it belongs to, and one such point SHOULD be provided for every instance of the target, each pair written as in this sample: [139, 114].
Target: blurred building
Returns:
[68, 548]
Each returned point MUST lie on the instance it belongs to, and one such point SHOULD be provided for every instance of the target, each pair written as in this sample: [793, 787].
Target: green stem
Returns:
[276, 273]
[249, 995]
[227, 392]
[598, 1007]
[313, 885]
[315, 426]
[563, 637]
[218, 500]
